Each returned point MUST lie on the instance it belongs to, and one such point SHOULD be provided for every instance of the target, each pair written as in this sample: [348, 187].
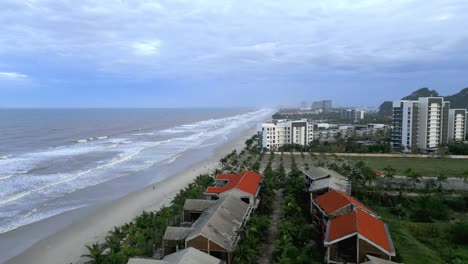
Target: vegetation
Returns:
[294, 242]
[458, 149]
[422, 166]
[144, 233]
[430, 228]
[253, 234]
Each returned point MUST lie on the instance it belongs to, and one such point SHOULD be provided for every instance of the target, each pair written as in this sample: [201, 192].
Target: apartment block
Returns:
[457, 125]
[352, 114]
[426, 123]
[278, 133]
[405, 124]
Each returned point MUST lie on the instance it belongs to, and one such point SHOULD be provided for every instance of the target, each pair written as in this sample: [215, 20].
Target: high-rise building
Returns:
[425, 124]
[405, 124]
[352, 114]
[278, 133]
[433, 122]
[325, 105]
[457, 125]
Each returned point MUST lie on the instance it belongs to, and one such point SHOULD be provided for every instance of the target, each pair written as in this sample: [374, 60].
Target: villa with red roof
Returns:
[349, 238]
[246, 186]
[332, 204]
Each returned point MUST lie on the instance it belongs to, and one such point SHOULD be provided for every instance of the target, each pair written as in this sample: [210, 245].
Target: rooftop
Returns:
[319, 172]
[359, 222]
[331, 182]
[334, 200]
[248, 181]
[185, 256]
[197, 204]
[221, 222]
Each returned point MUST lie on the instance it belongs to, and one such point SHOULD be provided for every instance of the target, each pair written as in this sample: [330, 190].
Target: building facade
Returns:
[278, 133]
[326, 106]
[352, 114]
[457, 125]
[426, 123]
[405, 124]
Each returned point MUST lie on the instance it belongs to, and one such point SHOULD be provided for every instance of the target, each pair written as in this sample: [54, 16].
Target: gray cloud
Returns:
[173, 38]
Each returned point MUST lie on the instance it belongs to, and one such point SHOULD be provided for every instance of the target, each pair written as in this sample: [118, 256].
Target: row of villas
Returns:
[351, 232]
[427, 123]
[302, 132]
[210, 227]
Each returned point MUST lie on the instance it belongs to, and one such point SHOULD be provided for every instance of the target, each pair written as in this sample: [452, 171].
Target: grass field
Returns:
[423, 166]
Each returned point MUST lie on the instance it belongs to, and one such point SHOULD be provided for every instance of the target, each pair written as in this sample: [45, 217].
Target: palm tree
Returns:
[441, 178]
[95, 255]
[389, 174]
[465, 177]
[413, 178]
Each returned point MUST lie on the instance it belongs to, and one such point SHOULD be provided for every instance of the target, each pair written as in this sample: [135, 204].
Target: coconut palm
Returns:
[95, 254]
[441, 178]
[389, 174]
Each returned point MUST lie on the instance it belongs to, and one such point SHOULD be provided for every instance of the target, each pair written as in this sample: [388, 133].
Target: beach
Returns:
[67, 245]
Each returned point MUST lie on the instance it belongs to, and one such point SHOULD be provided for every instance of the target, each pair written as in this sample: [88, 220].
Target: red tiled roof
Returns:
[335, 200]
[378, 173]
[358, 221]
[247, 182]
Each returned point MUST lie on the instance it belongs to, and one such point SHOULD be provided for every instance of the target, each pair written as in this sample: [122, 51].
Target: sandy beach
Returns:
[67, 245]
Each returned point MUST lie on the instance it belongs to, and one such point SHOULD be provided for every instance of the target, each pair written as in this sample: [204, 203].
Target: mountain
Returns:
[458, 100]
[423, 92]
[386, 108]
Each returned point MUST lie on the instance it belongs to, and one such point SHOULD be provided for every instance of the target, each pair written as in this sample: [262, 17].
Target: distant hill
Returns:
[386, 108]
[423, 92]
[458, 100]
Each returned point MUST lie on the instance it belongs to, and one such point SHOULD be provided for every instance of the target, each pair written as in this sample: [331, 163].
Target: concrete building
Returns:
[405, 124]
[423, 124]
[433, 122]
[457, 125]
[278, 133]
[353, 115]
[325, 105]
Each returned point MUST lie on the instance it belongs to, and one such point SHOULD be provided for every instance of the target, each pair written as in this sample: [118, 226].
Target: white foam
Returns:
[81, 141]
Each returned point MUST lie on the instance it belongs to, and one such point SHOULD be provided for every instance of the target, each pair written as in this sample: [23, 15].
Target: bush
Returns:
[460, 233]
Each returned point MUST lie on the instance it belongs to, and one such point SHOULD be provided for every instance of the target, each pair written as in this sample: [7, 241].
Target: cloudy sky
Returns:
[171, 53]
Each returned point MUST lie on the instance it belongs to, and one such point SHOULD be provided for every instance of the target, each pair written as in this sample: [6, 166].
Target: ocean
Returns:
[47, 155]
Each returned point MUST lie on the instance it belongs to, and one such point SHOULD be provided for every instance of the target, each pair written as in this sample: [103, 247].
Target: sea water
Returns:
[46, 155]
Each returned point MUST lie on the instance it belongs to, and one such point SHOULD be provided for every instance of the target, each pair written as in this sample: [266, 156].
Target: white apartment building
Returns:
[278, 133]
[457, 125]
[405, 124]
[421, 124]
[433, 122]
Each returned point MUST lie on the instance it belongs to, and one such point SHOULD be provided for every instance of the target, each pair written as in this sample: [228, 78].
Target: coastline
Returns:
[67, 245]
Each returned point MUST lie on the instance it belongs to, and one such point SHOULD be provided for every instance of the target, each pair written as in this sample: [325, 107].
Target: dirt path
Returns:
[269, 245]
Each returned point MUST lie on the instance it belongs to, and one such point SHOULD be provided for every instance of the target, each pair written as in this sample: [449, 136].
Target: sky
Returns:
[199, 53]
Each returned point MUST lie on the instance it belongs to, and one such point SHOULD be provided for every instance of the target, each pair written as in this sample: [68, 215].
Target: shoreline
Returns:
[68, 244]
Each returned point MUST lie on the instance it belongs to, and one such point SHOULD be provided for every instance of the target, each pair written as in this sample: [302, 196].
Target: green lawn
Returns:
[423, 166]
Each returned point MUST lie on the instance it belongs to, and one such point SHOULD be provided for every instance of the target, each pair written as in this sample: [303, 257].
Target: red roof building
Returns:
[350, 237]
[335, 201]
[248, 182]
